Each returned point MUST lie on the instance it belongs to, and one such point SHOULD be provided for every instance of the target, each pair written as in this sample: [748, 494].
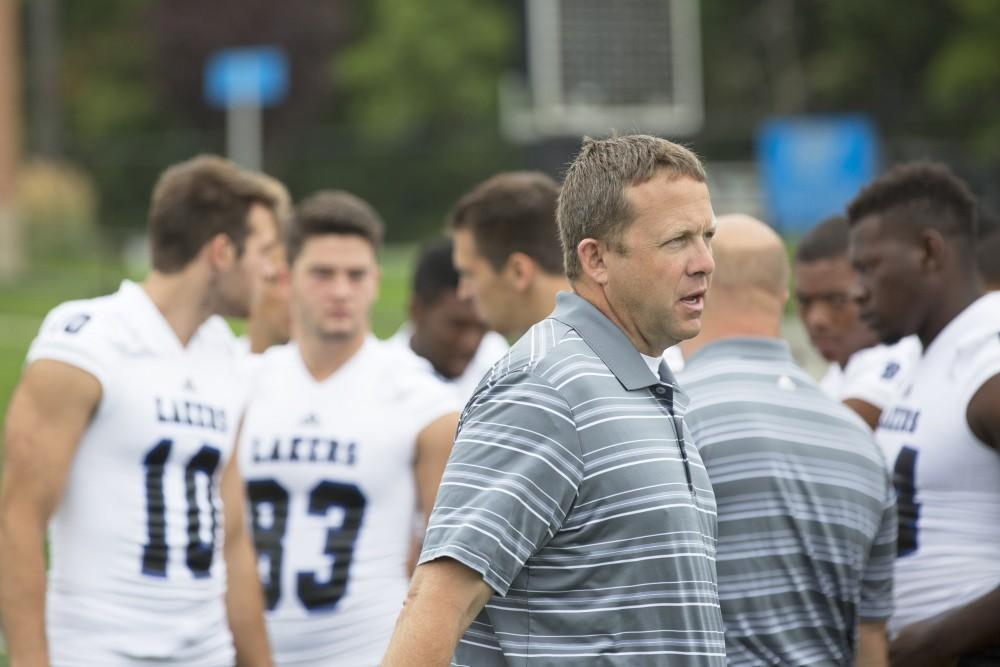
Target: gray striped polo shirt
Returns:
[807, 514]
[574, 491]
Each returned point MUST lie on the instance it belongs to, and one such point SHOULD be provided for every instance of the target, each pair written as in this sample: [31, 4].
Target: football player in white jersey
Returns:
[344, 438]
[863, 374]
[119, 438]
[443, 331]
[507, 250]
[911, 244]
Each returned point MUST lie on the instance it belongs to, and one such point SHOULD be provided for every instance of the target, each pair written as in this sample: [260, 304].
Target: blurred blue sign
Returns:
[811, 167]
[246, 76]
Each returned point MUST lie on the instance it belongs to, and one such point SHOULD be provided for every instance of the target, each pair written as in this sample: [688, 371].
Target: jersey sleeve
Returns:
[983, 362]
[426, 398]
[513, 474]
[876, 603]
[878, 375]
[72, 334]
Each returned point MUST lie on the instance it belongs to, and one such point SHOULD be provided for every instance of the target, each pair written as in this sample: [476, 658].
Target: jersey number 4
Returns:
[904, 478]
[269, 499]
[199, 552]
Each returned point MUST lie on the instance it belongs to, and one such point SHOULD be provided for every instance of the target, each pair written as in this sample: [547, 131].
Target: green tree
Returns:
[426, 64]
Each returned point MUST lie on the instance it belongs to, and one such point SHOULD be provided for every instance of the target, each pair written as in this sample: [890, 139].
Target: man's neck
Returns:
[595, 295]
[958, 297]
[734, 324]
[325, 356]
[172, 295]
[540, 301]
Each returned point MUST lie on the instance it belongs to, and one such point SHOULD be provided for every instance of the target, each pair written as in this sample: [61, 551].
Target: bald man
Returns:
[807, 516]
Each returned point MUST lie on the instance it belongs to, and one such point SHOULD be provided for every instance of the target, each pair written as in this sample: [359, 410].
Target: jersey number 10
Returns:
[199, 553]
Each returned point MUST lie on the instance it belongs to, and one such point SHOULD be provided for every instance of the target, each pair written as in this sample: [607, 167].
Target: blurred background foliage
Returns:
[396, 100]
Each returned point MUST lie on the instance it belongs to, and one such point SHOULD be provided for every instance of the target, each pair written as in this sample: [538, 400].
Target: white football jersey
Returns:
[491, 348]
[874, 375]
[137, 571]
[947, 481]
[331, 491]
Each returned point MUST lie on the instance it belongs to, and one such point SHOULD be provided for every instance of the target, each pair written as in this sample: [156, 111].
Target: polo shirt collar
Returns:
[744, 347]
[608, 341]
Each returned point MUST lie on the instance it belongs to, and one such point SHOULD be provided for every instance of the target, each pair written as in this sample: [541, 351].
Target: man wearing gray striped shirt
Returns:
[575, 523]
[807, 515]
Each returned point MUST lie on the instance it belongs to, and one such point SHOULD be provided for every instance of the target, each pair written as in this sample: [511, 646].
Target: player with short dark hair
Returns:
[507, 250]
[119, 438]
[443, 329]
[912, 244]
[344, 439]
[862, 374]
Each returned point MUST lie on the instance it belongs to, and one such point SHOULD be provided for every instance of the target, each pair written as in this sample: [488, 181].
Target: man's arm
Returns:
[868, 412]
[244, 596]
[873, 646]
[444, 598]
[433, 447]
[941, 640]
[975, 626]
[50, 409]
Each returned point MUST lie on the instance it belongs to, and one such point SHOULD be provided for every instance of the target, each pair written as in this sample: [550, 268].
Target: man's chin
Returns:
[339, 335]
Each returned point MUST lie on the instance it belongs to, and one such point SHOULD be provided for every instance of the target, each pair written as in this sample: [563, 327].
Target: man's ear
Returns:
[592, 254]
[933, 249]
[520, 270]
[221, 252]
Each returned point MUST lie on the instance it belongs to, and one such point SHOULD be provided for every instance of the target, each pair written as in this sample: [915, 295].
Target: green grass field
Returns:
[24, 303]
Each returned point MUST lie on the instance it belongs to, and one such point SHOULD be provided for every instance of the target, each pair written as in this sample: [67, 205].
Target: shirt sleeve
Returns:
[878, 374]
[513, 475]
[71, 334]
[876, 604]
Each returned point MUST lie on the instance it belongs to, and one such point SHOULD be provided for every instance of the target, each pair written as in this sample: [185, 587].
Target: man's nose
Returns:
[817, 316]
[464, 289]
[703, 261]
[858, 292]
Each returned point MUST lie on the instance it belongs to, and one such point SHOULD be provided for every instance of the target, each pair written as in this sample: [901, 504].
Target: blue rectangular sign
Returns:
[254, 75]
[811, 167]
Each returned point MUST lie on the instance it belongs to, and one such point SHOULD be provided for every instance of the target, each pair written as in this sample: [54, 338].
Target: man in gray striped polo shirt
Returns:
[575, 524]
[807, 515]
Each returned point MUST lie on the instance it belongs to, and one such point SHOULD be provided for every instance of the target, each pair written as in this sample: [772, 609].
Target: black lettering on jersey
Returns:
[304, 449]
[294, 456]
[75, 324]
[900, 419]
[191, 413]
